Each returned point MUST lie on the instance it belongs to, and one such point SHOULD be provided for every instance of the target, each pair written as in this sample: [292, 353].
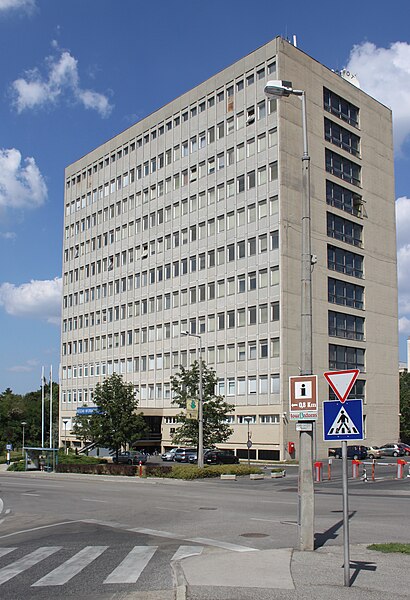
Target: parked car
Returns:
[183, 454]
[405, 448]
[354, 452]
[373, 452]
[391, 450]
[169, 454]
[130, 457]
[221, 457]
[193, 458]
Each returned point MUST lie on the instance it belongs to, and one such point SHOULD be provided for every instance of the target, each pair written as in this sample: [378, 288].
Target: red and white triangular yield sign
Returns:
[342, 382]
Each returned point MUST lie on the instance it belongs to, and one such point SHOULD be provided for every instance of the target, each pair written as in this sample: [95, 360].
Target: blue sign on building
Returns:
[87, 410]
[343, 421]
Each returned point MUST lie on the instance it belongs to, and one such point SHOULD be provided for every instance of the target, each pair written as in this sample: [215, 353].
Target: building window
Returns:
[345, 293]
[341, 137]
[344, 230]
[344, 261]
[345, 357]
[357, 391]
[340, 107]
[342, 167]
[342, 198]
[346, 326]
[243, 419]
[269, 419]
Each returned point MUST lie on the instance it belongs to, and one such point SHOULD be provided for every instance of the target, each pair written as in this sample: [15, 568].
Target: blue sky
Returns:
[74, 73]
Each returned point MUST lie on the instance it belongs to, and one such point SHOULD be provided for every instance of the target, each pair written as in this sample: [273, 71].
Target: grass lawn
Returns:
[391, 547]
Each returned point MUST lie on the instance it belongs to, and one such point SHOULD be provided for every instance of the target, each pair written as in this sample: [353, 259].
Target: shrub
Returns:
[157, 470]
[192, 472]
[98, 469]
[14, 456]
[17, 466]
[79, 459]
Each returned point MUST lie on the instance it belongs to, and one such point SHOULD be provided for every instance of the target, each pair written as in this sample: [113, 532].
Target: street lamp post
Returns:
[23, 424]
[248, 443]
[200, 401]
[65, 421]
[280, 89]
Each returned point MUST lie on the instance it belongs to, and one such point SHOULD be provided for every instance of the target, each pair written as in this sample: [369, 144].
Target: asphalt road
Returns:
[109, 537]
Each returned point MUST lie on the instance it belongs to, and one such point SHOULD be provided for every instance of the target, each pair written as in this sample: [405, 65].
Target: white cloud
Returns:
[37, 299]
[403, 259]
[61, 82]
[23, 5]
[404, 325]
[21, 184]
[403, 221]
[384, 73]
[8, 235]
[403, 267]
[29, 366]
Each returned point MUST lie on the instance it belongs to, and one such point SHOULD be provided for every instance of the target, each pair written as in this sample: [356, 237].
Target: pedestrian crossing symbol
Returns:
[343, 421]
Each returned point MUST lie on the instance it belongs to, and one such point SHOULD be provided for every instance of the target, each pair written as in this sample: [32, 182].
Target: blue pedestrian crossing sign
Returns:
[343, 421]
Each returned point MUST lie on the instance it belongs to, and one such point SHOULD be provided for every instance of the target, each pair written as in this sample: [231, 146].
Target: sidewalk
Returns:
[288, 574]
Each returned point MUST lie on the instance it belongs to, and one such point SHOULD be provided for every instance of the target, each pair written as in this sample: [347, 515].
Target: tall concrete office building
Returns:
[190, 220]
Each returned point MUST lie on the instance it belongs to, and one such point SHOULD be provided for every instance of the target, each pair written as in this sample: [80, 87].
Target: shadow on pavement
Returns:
[359, 565]
[331, 533]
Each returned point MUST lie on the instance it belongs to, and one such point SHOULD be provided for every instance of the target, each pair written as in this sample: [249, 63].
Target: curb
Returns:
[180, 583]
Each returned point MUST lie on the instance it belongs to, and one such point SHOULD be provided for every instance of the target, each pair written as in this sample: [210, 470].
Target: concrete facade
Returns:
[190, 220]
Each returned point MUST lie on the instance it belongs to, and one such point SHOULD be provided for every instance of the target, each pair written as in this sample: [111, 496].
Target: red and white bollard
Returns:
[400, 468]
[329, 469]
[318, 471]
[140, 469]
[355, 468]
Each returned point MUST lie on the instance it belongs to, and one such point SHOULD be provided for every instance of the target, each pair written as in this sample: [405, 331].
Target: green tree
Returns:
[116, 423]
[405, 407]
[16, 408]
[185, 385]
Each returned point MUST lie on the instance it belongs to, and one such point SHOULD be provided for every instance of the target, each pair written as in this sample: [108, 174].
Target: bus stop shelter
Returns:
[42, 459]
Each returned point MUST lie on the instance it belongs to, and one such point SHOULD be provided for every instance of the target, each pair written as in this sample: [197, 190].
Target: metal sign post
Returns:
[343, 421]
[346, 547]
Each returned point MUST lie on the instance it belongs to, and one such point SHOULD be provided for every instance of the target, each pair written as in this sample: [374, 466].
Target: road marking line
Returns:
[26, 562]
[173, 509]
[71, 567]
[4, 551]
[185, 551]
[93, 500]
[225, 545]
[130, 569]
[199, 540]
[1, 506]
[165, 534]
[38, 528]
[266, 520]
[112, 524]
[6, 483]
[28, 494]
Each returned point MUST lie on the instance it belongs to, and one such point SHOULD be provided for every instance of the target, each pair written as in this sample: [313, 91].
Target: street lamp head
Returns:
[185, 333]
[247, 419]
[23, 423]
[277, 88]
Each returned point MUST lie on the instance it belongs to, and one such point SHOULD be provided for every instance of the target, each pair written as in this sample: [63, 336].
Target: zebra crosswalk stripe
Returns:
[185, 551]
[26, 562]
[71, 567]
[130, 569]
